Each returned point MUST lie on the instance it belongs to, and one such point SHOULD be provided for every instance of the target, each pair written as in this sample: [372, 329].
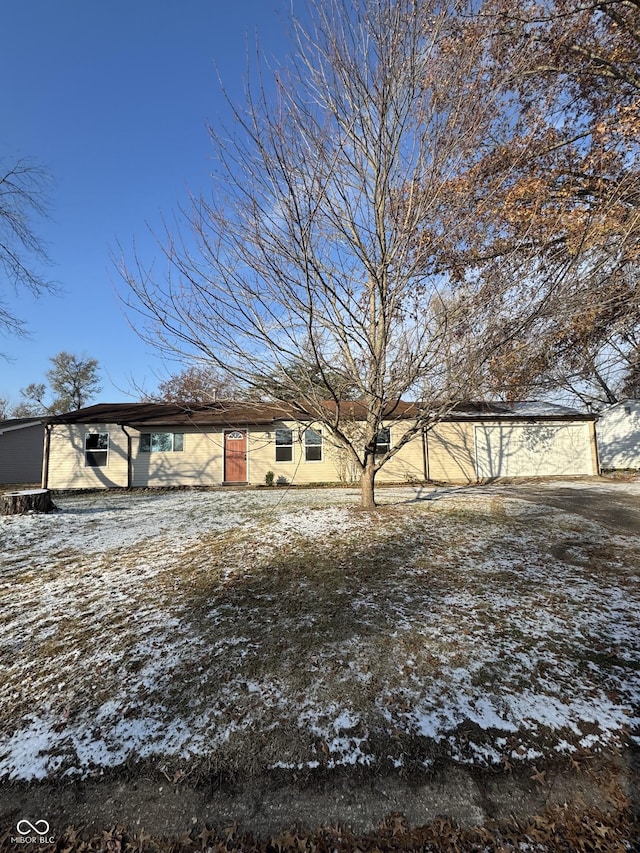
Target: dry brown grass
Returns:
[377, 643]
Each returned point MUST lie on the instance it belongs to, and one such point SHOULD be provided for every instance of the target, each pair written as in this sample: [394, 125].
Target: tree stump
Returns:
[30, 500]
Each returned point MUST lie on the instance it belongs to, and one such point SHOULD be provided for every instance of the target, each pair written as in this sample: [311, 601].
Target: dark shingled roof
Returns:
[231, 413]
[220, 413]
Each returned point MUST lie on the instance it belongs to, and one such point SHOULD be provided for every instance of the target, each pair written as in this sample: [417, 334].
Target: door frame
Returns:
[225, 433]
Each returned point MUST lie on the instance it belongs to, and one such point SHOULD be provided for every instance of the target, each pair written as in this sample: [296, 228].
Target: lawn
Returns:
[288, 630]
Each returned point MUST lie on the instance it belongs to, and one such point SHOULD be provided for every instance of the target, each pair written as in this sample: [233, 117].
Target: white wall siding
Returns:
[618, 432]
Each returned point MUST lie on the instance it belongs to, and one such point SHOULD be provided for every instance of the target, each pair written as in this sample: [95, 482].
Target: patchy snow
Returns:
[315, 524]
[151, 626]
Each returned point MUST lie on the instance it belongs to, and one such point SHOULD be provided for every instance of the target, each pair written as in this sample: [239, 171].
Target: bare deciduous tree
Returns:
[23, 189]
[307, 253]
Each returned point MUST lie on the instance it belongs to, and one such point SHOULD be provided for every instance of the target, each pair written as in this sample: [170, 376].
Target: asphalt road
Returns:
[616, 509]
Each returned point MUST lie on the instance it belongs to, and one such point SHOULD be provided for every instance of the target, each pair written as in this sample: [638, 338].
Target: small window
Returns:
[96, 449]
[313, 445]
[284, 445]
[161, 442]
[383, 441]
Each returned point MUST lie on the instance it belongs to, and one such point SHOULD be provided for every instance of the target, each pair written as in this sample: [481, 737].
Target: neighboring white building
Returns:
[618, 434]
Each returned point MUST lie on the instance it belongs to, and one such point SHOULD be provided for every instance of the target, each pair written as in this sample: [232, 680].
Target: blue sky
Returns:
[112, 99]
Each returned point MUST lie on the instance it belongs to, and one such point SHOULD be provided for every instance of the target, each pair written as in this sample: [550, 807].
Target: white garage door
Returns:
[533, 450]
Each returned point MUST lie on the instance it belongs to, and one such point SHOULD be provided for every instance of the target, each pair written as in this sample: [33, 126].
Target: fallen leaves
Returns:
[539, 776]
[560, 829]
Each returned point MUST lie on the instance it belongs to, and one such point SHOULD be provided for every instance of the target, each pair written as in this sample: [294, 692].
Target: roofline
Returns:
[22, 426]
[514, 416]
[197, 415]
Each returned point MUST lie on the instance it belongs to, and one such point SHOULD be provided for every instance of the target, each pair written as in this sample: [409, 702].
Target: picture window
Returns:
[161, 442]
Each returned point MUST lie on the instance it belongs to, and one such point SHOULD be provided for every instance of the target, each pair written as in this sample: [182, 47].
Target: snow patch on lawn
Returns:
[101, 659]
[316, 524]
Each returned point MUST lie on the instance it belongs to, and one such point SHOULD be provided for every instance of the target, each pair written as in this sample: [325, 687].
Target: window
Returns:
[161, 442]
[383, 441]
[96, 449]
[313, 445]
[284, 445]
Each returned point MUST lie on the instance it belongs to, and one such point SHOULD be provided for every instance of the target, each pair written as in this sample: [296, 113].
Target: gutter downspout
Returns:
[45, 455]
[594, 447]
[425, 453]
[129, 461]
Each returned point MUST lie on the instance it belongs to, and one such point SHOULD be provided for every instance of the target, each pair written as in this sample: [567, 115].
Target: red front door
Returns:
[235, 456]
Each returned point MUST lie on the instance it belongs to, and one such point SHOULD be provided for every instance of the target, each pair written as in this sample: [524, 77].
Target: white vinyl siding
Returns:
[618, 431]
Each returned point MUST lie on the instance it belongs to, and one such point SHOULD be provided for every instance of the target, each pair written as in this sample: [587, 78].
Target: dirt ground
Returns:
[604, 791]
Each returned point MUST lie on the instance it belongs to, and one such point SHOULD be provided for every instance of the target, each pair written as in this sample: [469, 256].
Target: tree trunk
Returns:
[367, 486]
[31, 500]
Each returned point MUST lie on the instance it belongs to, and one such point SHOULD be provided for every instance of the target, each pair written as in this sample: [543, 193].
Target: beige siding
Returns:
[67, 469]
[336, 466]
[21, 454]
[408, 463]
[534, 449]
[262, 457]
[451, 453]
[198, 464]
[451, 457]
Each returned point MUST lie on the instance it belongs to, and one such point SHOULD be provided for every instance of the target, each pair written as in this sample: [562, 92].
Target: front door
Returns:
[235, 456]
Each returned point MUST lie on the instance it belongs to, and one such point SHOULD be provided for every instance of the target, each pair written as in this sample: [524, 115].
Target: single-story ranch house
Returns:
[159, 445]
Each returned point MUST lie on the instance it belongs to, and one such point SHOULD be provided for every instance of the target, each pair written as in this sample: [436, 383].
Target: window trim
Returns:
[105, 450]
[289, 445]
[308, 431]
